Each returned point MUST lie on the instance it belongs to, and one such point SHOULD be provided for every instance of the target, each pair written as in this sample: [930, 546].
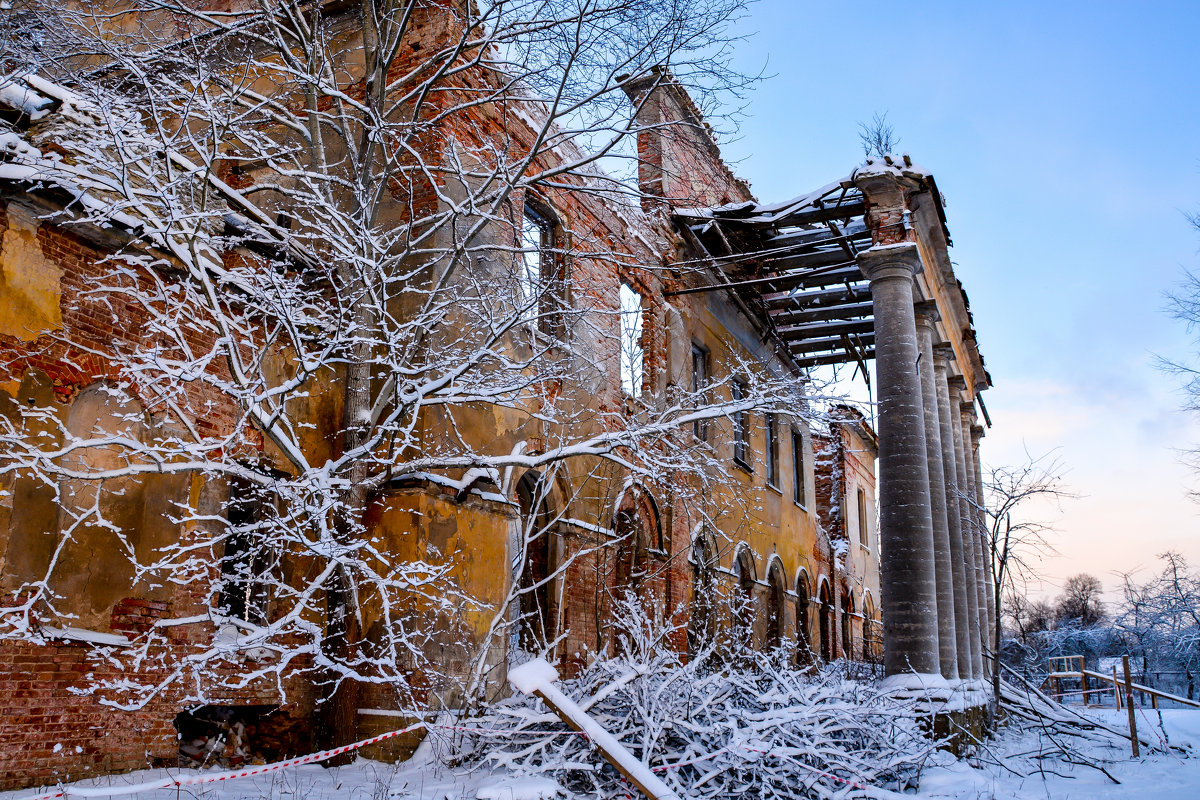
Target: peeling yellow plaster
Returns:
[30, 290]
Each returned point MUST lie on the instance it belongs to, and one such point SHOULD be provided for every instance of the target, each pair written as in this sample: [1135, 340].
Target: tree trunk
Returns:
[339, 713]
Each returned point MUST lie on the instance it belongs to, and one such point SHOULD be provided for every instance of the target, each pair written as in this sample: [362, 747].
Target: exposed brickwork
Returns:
[133, 615]
[52, 728]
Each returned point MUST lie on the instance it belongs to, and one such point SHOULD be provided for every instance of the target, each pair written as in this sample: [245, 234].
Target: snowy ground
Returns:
[1005, 770]
[1161, 777]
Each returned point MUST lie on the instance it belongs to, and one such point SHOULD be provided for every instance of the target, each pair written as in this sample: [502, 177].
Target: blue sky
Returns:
[1066, 139]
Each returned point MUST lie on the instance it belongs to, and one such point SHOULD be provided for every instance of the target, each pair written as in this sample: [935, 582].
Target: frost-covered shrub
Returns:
[726, 724]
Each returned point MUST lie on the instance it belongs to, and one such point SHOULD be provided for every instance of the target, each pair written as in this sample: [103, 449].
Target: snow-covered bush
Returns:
[729, 723]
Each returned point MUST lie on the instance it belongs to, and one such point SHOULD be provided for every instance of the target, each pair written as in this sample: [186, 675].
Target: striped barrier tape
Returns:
[215, 777]
[313, 758]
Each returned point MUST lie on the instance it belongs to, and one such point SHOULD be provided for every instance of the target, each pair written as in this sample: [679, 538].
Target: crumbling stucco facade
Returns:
[794, 536]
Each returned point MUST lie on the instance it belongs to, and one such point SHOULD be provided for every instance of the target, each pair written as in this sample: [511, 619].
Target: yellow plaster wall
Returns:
[30, 284]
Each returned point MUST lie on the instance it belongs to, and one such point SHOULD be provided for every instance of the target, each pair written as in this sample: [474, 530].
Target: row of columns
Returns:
[937, 601]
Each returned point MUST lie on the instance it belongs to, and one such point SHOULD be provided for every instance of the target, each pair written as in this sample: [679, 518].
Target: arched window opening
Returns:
[825, 610]
[637, 568]
[744, 601]
[776, 610]
[804, 653]
[631, 552]
[536, 628]
[701, 622]
[872, 643]
[847, 624]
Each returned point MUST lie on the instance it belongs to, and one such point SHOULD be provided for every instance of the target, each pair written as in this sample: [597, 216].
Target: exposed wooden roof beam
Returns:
[784, 315]
[819, 258]
[827, 277]
[795, 333]
[825, 297]
[833, 358]
[808, 346]
[854, 208]
[793, 237]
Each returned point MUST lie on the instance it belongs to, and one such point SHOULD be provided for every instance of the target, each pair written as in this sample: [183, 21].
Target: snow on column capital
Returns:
[907, 583]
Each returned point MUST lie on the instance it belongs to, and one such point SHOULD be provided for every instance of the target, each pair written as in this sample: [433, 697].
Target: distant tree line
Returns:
[1156, 622]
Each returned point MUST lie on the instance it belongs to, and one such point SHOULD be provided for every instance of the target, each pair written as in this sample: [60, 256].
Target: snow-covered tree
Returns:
[1080, 600]
[343, 230]
[1014, 538]
[1160, 619]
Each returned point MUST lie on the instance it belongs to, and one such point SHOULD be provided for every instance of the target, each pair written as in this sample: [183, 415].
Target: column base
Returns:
[957, 711]
[917, 686]
[960, 729]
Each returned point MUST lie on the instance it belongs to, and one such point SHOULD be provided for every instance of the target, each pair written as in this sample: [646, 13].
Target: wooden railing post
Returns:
[1133, 737]
[1116, 688]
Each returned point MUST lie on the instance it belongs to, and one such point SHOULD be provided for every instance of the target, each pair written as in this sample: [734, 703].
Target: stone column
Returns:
[909, 593]
[976, 532]
[942, 355]
[977, 433]
[926, 316]
[970, 551]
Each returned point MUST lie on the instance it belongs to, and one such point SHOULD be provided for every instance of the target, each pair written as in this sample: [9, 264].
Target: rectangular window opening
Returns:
[863, 528]
[536, 266]
[772, 451]
[741, 426]
[799, 484]
[632, 354]
[245, 564]
[700, 379]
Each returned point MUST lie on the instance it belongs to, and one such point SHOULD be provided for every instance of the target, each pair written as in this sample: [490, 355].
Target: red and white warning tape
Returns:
[214, 777]
[313, 758]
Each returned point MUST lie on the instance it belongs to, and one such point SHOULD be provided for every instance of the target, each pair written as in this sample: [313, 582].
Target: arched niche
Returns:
[30, 532]
[112, 517]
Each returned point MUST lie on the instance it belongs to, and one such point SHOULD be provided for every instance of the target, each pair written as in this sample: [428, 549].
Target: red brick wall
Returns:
[43, 704]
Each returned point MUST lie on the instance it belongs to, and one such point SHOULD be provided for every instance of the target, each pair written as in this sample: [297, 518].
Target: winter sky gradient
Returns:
[1066, 139]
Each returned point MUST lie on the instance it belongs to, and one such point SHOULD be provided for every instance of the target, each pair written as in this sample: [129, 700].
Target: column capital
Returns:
[926, 312]
[957, 382]
[943, 356]
[977, 433]
[880, 262]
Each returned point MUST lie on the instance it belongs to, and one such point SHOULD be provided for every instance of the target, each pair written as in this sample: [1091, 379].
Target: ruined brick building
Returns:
[795, 532]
